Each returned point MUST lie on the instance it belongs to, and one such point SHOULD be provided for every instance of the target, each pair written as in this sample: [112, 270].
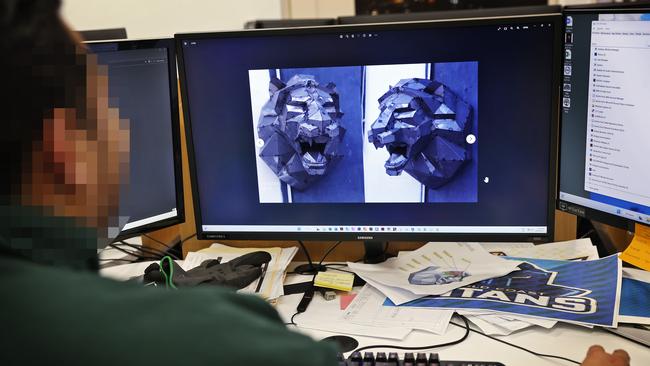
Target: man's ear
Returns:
[61, 144]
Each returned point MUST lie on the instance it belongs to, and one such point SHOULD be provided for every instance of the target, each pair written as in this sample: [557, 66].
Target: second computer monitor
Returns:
[604, 148]
[142, 85]
[440, 130]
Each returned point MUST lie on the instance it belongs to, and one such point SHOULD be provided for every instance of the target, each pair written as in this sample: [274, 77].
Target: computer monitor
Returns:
[142, 83]
[451, 14]
[103, 34]
[373, 7]
[288, 23]
[411, 131]
[603, 170]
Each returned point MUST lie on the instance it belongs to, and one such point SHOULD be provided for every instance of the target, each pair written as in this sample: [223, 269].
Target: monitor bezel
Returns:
[169, 45]
[568, 206]
[554, 18]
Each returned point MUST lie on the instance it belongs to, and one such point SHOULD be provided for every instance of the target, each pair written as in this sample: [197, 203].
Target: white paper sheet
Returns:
[436, 268]
[367, 309]
[327, 316]
[580, 249]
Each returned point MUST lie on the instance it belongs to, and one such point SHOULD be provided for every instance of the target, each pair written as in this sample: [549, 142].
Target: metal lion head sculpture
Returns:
[301, 130]
[423, 125]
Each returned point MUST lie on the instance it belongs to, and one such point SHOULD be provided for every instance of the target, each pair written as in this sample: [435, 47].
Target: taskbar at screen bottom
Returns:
[375, 229]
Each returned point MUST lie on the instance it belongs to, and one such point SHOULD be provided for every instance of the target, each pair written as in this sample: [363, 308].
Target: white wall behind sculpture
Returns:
[162, 18]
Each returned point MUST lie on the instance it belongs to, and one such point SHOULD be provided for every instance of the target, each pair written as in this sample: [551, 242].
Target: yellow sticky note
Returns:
[336, 280]
[638, 252]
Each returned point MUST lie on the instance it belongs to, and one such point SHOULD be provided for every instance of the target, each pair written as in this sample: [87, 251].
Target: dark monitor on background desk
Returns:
[450, 14]
[288, 23]
[604, 170]
[374, 7]
[103, 34]
[142, 84]
[418, 131]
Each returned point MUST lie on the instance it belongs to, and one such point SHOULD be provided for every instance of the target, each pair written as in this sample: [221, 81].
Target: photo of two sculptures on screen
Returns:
[405, 133]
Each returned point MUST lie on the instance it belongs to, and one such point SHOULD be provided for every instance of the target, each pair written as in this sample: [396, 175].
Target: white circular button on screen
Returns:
[260, 142]
[470, 139]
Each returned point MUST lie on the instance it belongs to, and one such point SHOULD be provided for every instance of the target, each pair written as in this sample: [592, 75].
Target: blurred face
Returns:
[78, 167]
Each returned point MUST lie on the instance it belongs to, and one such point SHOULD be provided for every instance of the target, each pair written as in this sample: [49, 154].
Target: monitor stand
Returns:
[375, 252]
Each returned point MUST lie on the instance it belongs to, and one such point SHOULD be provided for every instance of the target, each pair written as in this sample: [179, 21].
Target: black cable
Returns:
[304, 249]
[457, 341]
[117, 260]
[156, 240]
[188, 238]
[329, 251]
[141, 249]
[138, 256]
[160, 242]
[153, 250]
[338, 269]
[292, 322]
[514, 345]
[149, 250]
[169, 248]
[587, 234]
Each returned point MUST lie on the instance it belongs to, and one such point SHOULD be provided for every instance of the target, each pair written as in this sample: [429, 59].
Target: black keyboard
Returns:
[410, 359]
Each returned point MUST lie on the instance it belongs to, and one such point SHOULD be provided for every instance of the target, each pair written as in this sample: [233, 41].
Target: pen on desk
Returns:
[259, 283]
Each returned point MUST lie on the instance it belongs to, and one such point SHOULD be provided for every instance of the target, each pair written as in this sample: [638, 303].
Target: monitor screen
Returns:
[604, 171]
[413, 6]
[395, 131]
[143, 86]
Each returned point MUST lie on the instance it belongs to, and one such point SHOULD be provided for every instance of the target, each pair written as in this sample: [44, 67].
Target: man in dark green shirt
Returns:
[62, 149]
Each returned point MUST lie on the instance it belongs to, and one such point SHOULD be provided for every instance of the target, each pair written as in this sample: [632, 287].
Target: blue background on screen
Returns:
[515, 92]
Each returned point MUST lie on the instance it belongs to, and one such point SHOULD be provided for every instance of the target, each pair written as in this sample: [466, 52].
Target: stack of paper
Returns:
[433, 269]
[581, 249]
[544, 284]
[270, 284]
[367, 309]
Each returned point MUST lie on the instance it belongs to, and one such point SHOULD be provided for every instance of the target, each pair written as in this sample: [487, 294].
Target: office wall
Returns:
[159, 18]
[297, 9]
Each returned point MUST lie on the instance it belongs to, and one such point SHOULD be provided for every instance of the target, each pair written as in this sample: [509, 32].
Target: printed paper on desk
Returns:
[638, 252]
[436, 268]
[635, 297]
[327, 316]
[395, 294]
[368, 309]
[581, 292]
[580, 249]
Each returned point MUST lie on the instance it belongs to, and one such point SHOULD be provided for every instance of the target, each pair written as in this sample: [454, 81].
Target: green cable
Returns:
[168, 278]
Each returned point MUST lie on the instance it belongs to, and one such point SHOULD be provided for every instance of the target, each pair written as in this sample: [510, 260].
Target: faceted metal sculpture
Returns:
[423, 125]
[300, 127]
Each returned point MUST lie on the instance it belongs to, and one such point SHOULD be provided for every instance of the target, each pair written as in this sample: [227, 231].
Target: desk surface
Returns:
[562, 340]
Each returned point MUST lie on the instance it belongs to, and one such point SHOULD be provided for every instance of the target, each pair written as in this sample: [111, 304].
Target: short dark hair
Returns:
[43, 68]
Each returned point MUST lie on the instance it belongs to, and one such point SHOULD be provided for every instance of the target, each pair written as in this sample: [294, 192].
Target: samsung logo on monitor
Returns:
[365, 237]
